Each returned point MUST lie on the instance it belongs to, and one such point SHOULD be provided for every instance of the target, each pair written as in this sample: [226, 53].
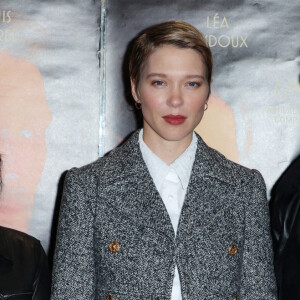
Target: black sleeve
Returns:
[41, 284]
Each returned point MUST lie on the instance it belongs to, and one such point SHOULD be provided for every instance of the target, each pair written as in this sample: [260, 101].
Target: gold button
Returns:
[114, 247]
[109, 297]
[232, 250]
[235, 298]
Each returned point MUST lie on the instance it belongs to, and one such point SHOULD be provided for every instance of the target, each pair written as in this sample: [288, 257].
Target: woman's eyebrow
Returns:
[164, 76]
[195, 76]
[156, 75]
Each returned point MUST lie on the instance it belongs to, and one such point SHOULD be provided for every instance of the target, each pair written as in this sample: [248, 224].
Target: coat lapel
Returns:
[203, 202]
[147, 200]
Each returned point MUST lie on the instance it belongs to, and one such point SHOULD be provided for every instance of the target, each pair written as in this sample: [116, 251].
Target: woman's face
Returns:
[173, 91]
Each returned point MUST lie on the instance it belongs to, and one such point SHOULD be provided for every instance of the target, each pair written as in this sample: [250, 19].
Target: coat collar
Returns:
[208, 162]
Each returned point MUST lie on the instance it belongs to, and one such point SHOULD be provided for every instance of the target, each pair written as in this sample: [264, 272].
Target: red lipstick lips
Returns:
[174, 119]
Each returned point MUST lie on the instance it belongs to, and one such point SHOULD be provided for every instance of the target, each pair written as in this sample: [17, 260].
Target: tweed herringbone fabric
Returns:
[114, 199]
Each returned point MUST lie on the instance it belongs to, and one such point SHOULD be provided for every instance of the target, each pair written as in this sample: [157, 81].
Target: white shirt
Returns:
[171, 181]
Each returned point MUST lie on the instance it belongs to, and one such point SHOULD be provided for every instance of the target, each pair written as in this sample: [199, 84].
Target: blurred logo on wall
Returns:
[22, 36]
[288, 89]
[218, 24]
[288, 112]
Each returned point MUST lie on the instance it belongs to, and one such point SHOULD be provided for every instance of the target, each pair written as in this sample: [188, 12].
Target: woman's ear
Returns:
[209, 92]
[134, 91]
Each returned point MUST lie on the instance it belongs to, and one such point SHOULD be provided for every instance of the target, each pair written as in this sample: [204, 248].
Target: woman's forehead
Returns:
[171, 59]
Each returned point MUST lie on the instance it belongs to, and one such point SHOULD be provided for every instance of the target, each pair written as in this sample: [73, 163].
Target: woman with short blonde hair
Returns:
[164, 216]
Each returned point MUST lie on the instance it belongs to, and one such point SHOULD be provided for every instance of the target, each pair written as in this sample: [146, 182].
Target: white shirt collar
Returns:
[158, 169]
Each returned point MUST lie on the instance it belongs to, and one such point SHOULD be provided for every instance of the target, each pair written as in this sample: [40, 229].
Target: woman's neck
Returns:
[166, 150]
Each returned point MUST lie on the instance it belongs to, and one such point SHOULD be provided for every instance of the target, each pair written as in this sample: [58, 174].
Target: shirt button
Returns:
[170, 197]
[109, 297]
[114, 247]
[232, 250]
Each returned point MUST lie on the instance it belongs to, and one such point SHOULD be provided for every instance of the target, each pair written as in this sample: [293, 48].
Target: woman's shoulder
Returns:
[224, 169]
[19, 241]
[114, 162]
[16, 236]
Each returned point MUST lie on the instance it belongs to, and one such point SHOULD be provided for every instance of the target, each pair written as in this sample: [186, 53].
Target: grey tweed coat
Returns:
[115, 239]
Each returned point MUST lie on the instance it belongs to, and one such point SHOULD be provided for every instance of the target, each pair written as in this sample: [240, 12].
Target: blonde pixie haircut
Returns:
[176, 33]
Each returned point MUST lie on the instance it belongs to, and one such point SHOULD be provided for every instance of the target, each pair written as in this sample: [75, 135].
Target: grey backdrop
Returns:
[257, 77]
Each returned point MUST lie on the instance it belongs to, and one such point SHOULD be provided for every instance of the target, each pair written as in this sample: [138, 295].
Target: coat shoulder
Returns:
[112, 165]
[226, 170]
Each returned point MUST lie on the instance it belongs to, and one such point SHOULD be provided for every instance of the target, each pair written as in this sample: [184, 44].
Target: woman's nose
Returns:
[175, 97]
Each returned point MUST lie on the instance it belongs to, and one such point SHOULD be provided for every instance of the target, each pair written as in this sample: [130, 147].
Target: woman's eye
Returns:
[158, 83]
[193, 84]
